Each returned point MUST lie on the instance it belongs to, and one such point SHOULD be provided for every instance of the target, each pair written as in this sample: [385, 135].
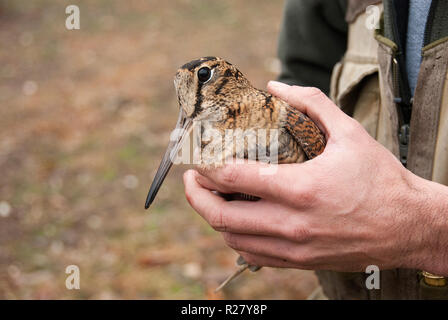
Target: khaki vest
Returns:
[362, 85]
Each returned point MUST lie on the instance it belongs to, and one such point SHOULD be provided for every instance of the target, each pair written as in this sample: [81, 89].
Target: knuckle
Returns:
[306, 197]
[315, 93]
[218, 220]
[299, 233]
[231, 240]
[230, 175]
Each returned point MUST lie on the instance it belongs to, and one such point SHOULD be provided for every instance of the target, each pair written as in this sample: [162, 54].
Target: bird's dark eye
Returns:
[204, 74]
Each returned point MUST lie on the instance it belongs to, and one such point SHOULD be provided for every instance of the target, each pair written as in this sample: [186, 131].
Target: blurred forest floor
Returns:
[85, 117]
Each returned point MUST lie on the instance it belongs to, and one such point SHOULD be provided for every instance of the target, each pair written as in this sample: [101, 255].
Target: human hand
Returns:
[354, 205]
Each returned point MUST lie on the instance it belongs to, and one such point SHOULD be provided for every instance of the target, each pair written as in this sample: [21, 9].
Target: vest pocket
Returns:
[355, 89]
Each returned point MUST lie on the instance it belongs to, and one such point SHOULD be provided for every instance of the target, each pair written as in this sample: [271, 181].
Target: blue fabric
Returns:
[418, 14]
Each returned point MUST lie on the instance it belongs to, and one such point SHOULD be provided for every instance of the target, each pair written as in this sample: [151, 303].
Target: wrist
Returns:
[428, 237]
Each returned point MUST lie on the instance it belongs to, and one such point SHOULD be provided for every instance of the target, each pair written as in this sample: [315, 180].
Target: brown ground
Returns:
[84, 120]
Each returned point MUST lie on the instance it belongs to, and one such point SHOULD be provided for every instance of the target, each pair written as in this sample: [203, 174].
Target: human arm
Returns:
[309, 28]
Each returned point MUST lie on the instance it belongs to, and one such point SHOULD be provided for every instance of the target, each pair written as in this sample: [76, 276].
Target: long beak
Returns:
[183, 129]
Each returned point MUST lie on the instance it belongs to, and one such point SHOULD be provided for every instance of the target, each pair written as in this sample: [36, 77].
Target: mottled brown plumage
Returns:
[216, 93]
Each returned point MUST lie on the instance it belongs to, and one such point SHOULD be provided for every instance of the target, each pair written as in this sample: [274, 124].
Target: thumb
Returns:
[314, 103]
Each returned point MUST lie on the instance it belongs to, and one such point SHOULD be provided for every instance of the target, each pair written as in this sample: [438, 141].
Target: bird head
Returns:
[205, 88]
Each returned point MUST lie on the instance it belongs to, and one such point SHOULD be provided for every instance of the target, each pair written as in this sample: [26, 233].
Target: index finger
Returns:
[289, 184]
[244, 217]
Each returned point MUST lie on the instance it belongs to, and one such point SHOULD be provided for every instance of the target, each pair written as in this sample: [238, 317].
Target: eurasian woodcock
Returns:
[214, 94]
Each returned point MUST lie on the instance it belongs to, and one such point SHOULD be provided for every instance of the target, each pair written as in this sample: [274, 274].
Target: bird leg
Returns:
[242, 264]
[240, 270]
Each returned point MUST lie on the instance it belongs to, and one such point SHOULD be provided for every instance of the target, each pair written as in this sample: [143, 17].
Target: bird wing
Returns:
[310, 138]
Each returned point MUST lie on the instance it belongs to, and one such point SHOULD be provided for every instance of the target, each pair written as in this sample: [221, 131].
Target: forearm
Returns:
[430, 205]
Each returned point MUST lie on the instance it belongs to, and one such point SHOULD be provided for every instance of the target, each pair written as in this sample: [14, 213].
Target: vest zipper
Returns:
[402, 96]
[403, 121]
